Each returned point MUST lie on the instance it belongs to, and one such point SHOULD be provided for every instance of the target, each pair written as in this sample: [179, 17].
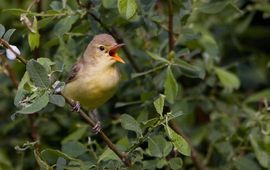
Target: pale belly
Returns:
[94, 90]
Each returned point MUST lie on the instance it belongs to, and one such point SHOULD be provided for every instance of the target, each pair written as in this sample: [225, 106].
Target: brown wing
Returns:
[74, 71]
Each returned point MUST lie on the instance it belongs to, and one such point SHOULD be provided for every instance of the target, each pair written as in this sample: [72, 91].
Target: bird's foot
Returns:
[76, 107]
[96, 129]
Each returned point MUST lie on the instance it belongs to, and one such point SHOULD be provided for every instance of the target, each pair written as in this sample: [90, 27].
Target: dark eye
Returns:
[101, 48]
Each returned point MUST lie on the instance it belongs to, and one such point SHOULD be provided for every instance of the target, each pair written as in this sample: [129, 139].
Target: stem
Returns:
[113, 33]
[121, 155]
[194, 153]
[6, 45]
[170, 25]
[12, 76]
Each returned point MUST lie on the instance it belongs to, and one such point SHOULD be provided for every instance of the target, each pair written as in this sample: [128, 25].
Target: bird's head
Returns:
[103, 48]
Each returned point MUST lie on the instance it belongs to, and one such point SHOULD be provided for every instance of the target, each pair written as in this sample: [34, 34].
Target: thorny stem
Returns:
[122, 156]
[114, 33]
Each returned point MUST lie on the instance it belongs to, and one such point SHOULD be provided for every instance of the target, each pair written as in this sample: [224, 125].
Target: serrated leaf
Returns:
[127, 8]
[37, 74]
[76, 135]
[228, 79]
[170, 86]
[36, 105]
[179, 142]
[189, 70]
[159, 104]
[74, 148]
[64, 25]
[129, 123]
[57, 100]
[2, 30]
[8, 34]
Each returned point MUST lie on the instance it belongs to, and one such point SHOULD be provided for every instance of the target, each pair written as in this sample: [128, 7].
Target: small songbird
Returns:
[94, 77]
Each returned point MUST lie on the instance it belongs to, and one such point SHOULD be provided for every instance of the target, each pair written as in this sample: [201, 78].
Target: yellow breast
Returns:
[93, 88]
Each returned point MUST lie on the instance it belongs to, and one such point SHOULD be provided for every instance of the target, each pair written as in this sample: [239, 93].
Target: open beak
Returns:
[114, 55]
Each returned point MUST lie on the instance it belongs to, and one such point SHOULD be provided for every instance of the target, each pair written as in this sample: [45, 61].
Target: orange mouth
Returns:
[114, 55]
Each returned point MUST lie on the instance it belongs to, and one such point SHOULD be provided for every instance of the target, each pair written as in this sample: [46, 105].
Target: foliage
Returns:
[206, 100]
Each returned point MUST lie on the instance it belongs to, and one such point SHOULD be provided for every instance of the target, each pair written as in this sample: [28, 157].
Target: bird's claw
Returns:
[76, 107]
[96, 129]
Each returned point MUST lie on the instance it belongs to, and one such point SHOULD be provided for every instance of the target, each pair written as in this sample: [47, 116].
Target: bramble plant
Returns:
[194, 92]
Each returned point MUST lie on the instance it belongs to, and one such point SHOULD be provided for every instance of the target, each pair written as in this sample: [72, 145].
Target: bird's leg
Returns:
[94, 116]
[76, 107]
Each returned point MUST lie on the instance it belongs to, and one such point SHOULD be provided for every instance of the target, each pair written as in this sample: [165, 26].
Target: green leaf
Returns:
[129, 123]
[127, 8]
[109, 4]
[64, 25]
[74, 148]
[15, 11]
[157, 57]
[37, 74]
[159, 104]
[179, 142]
[176, 163]
[36, 105]
[46, 62]
[213, 7]
[170, 86]
[8, 34]
[228, 79]
[257, 97]
[57, 100]
[42, 164]
[2, 30]
[261, 155]
[158, 146]
[61, 163]
[246, 164]
[33, 37]
[108, 154]
[76, 135]
[189, 70]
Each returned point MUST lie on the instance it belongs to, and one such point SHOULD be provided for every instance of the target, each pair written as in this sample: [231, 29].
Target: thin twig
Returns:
[122, 156]
[194, 153]
[10, 72]
[7, 46]
[113, 33]
[170, 26]
[12, 76]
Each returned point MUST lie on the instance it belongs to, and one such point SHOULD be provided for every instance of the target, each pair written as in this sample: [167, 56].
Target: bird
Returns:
[94, 78]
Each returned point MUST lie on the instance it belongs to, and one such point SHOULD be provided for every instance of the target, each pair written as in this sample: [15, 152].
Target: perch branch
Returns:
[122, 156]
[170, 25]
